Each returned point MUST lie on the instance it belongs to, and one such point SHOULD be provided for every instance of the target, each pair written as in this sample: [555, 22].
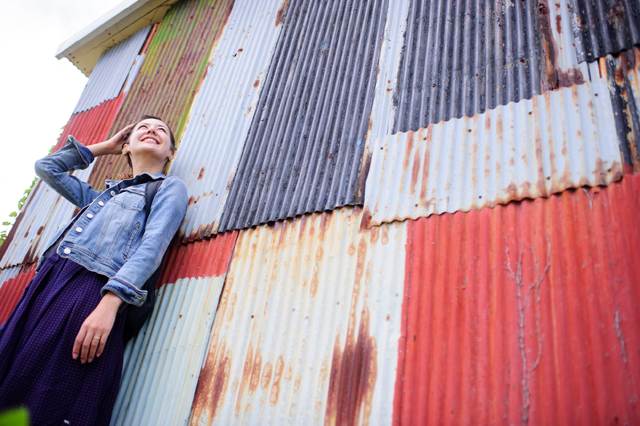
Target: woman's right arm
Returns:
[54, 168]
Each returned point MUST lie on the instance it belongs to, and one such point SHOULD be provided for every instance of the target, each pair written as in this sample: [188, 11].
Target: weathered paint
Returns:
[43, 214]
[307, 328]
[11, 290]
[91, 126]
[171, 74]
[622, 74]
[163, 362]
[222, 111]
[8, 273]
[206, 258]
[534, 148]
[111, 72]
[524, 313]
[304, 151]
[463, 58]
[602, 27]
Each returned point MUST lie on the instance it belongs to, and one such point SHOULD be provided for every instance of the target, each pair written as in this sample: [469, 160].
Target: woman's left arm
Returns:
[167, 212]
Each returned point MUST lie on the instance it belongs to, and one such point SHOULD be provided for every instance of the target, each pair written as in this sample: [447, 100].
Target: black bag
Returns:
[138, 315]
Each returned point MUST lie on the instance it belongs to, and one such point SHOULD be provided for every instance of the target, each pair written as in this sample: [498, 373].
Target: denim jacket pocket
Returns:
[130, 198]
[132, 237]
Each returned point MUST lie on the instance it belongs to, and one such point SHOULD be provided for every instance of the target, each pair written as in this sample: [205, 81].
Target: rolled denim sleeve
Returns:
[54, 168]
[167, 212]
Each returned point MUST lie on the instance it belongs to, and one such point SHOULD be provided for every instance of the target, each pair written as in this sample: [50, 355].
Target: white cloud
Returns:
[37, 91]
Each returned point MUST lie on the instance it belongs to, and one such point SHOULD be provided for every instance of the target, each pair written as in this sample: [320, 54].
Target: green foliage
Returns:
[17, 417]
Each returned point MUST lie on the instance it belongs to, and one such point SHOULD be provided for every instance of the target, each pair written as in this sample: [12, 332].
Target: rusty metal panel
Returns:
[308, 325]
[602, 27]
[305, 147]
[462, 58]
[534, 148]
[42, 215]
[223, 109]
[12, 289]
[172, 72]
[162, 363]
[8, 273]
[622, 72]
[525, 313]
[110, 73]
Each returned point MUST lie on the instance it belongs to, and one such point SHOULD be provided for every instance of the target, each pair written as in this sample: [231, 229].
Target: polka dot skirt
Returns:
[36, 367]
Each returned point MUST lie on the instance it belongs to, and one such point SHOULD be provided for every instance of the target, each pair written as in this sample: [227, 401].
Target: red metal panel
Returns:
[12, 290]
[91, 126]
[524, 313]
[205, 258]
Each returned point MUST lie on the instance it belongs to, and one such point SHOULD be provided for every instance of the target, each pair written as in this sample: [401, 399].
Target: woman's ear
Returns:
[125, 149]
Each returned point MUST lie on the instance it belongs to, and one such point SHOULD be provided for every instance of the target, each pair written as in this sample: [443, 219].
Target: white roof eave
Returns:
[84, 48]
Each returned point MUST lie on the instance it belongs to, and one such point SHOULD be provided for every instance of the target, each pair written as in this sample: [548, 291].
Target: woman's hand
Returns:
[112, 146]
[95, 329]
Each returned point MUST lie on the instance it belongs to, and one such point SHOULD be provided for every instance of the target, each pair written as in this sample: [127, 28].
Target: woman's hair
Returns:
[129, 174]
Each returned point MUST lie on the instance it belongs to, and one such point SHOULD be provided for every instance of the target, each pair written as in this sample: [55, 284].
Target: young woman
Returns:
[61, 350]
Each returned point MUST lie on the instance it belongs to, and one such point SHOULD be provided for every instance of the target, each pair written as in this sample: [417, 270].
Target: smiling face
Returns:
[150, 141]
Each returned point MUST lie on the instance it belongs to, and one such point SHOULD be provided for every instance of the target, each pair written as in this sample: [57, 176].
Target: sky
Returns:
[37, 91]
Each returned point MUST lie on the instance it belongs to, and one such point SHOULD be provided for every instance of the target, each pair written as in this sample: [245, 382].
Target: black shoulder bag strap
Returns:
[138, 315]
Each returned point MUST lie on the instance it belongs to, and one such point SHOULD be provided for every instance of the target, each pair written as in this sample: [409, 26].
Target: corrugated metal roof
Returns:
[163, 362]
[463, 58]
[222, 111]
[623, 74]
[12, 289]
[308, 325]
[534, 148]
[604, 26]
[111, 71]
[171, 74]
[91, 126]
[304, 150]
[42, 215]
[524, 313]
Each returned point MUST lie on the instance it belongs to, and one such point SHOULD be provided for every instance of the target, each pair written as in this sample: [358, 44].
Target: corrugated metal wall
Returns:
[533, 148]
[111, 72]
[163, 362]
[308, 325]
[525, 313]
[602, 27]
[223, 109]
[305, 146]
[12, 289]
[171, 74]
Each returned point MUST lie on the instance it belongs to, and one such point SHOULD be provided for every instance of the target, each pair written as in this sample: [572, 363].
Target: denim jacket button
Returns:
[100, 203]
[67, 251]
[113, 193]
[89, 215]
[78, 229]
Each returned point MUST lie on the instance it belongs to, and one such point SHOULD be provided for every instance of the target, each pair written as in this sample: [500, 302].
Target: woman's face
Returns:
[150, 138]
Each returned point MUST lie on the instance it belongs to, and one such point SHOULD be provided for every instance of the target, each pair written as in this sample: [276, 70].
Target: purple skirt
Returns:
[36, 367]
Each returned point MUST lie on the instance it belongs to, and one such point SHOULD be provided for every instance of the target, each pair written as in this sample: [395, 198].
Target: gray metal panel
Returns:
[604, 26]
[111, 71]
[306, 142]
[463, 57]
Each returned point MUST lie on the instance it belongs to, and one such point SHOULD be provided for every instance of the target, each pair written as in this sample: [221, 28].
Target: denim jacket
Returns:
[111, 235]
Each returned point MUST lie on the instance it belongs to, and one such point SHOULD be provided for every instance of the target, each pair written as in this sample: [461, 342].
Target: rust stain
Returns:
[282, 13]
[275, 388]
[266, 375]
[213, 383]
[353, 377]
[246, 377]
[201, 174]
[254, 381]
[549, 48]
[256, 83]
[559, 23]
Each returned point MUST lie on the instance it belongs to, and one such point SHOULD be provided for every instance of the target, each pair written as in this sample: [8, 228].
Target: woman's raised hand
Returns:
[112, 146]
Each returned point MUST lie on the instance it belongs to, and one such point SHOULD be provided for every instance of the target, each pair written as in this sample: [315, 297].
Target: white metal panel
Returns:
[8, 273]
[308, 325]
[534, 148]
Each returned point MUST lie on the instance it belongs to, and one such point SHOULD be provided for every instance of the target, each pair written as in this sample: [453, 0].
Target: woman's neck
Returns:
[152, 168]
